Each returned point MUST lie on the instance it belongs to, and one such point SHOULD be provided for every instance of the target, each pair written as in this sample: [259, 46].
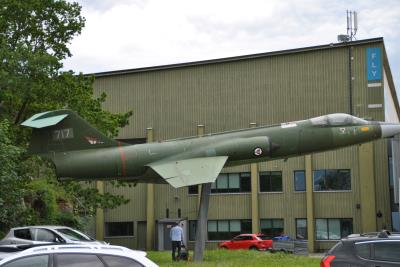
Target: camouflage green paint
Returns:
[81, 152]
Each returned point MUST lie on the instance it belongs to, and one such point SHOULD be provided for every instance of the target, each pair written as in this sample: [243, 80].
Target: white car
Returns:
[70, 255]
[46, 234]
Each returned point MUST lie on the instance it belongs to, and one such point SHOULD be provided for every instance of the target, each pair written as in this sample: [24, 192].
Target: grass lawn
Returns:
[239, 258]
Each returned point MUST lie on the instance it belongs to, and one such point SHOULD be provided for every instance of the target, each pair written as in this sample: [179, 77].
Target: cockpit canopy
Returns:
[337, 119]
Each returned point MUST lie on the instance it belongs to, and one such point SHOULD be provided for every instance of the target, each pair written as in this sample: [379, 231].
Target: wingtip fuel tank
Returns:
[79, 151]
[389, 129]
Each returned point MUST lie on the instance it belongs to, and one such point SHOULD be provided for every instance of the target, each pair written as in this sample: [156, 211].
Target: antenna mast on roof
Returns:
[352, 27]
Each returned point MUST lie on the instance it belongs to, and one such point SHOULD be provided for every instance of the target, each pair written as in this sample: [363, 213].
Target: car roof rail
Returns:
[21, 247]
[64, 247]
[384, 234]
[9, 249]
[369, 234]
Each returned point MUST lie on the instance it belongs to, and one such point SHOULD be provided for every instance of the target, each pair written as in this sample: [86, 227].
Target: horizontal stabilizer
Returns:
[179, 173]
[41, 120]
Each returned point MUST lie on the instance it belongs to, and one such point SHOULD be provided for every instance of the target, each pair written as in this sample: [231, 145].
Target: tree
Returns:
[12, 184]
[34, 38]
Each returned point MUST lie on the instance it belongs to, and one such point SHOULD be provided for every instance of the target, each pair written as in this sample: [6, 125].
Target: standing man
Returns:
[176, 235]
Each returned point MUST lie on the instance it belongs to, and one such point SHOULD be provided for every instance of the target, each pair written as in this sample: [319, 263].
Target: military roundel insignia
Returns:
[93, 140]
[258, 151]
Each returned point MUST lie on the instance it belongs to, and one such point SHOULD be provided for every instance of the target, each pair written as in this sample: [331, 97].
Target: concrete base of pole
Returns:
[201, 227]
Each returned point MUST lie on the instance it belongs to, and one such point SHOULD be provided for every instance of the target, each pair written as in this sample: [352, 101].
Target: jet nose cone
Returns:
[389, 129]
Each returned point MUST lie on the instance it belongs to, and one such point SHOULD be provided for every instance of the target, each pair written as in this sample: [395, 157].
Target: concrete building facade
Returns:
[319, 197]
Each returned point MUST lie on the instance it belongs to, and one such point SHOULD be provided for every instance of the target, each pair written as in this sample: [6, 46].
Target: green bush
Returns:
[68, 219]
[42, 199]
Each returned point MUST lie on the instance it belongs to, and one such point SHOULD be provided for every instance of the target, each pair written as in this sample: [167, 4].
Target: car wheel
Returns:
[253, 248]
[224, 247]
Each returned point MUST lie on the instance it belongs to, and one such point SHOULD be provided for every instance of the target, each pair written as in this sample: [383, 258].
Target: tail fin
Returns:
[63, 130]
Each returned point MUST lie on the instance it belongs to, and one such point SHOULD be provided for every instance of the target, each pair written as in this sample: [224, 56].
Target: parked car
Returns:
[46, 234]
[76, 255]
[8, 250]
[371, 249]
[247, 241]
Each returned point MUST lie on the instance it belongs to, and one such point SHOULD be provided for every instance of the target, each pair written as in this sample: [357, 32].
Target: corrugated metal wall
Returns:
[230, 95]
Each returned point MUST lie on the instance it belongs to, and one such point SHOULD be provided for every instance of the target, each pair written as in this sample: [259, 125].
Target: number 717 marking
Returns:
[63, 134]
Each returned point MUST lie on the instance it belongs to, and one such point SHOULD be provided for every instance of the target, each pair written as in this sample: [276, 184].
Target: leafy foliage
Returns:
[78, 95]
[34, 38]
[11, 182]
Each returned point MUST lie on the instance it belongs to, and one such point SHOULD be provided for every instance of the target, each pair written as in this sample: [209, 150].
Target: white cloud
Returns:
[136, 33]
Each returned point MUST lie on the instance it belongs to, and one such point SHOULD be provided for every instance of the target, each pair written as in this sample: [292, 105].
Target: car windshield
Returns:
[74, 235]
[262, 237]
[338, 119]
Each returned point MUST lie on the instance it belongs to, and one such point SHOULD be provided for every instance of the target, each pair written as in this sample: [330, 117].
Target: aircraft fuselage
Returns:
[242, 146]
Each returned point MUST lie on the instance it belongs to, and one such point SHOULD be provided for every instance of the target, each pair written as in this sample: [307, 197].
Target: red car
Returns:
[247, 241]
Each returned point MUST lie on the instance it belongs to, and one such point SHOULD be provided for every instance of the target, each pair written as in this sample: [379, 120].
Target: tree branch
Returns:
[21, 111]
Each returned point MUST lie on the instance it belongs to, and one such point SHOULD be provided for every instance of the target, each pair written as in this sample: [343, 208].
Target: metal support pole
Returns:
[396, 167]
[200, 133]
[310, 203]
[201, 227]
[350, 80]
[255, 214]
[367, 190]
[150, 228]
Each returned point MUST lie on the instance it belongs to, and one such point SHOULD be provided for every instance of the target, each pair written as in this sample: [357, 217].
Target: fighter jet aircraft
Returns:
[79, 151]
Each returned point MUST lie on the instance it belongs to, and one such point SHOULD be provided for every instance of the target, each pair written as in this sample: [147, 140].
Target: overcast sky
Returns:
[125, 34]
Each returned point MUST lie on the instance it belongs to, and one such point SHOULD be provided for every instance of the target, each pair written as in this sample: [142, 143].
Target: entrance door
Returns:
[167, 239]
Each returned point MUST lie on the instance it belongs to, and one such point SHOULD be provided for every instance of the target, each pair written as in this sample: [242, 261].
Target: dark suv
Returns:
[367, 250]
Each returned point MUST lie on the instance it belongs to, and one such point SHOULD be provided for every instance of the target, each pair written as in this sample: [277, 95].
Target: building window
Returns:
[119, 229]
[271, 227]
[232, 183]
[332, 180]
[227, 183]
[271, 181]
[299, 181]
[227, 229]
[245, 226]
[333, 229]
[301, 229]
[193, 189]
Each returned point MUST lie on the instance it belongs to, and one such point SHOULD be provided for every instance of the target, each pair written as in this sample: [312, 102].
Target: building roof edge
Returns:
[235, 58]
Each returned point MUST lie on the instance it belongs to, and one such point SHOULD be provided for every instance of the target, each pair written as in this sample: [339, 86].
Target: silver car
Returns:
[46, 234]
[83, 255]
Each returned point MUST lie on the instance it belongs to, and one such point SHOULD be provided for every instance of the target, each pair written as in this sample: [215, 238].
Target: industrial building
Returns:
[320, 197]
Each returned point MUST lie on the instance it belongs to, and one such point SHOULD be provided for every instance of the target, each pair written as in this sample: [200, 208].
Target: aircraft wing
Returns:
[185, 172]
